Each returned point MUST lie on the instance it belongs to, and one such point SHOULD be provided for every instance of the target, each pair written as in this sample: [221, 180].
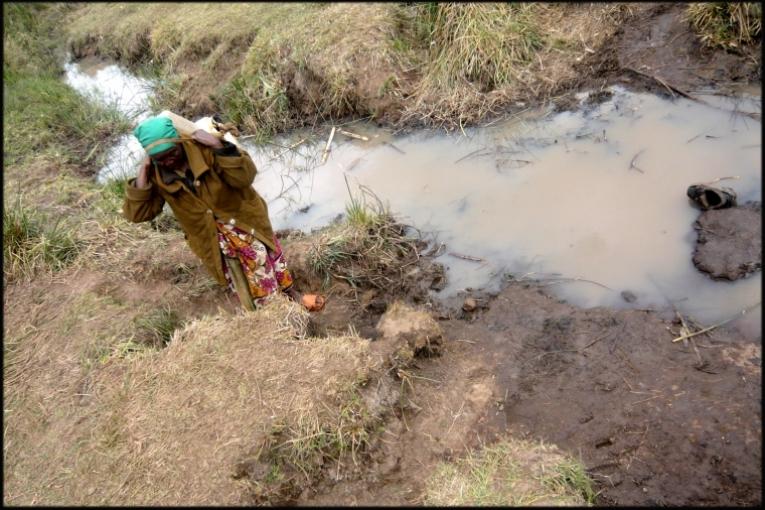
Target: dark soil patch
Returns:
[653, 421]
[729, 243]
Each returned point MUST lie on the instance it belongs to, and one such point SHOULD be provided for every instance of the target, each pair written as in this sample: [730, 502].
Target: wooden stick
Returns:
[394, 147]
[722, 179]
[714, 326]
[352, 135]
[468, 155]
[326, 149]
[291, 147]
[466, 257]
[240, 283]
[671, 89]
[632, 163]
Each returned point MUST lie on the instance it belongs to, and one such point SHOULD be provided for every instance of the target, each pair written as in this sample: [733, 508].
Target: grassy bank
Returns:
[270, 67]
[50, 134]
[108, 324]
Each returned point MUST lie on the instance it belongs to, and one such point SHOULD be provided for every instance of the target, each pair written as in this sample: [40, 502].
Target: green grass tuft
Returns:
[510, 473]
[29, 244]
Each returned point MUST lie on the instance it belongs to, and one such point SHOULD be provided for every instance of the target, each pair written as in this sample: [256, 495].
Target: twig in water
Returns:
[722, 179]
[286, 150]
[325, 155]
[692, 139]
[468, 155]
[394, 147]
[466, 257]
[577, 279]
[715, 326]
[632, 163]
[353, 135]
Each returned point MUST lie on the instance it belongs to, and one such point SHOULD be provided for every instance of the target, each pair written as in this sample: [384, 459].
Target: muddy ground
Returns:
[656, 43]
[655, 422]
[729, 242]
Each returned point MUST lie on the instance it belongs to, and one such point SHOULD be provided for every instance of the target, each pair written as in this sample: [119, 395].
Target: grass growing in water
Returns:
[726, 24]
[369, 244]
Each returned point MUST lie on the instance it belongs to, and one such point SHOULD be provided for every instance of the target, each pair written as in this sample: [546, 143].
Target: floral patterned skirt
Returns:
[266, 271]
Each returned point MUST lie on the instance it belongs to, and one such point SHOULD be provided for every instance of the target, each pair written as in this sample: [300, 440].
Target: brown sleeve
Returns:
[141, 204]
[237, 171]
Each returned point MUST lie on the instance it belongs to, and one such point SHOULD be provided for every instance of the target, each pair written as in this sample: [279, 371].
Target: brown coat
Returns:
[224, 191]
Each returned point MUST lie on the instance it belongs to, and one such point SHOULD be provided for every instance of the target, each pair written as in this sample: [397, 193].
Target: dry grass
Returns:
[272, 67]
[487, 57]
[169, 427]
[726, 24]
[511, 473]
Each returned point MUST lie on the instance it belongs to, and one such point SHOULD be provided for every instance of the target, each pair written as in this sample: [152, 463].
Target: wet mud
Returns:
[657, 42]
[654, 421]
[729, 243]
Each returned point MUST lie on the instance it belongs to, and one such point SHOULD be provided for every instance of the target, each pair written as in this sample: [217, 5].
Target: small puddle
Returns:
[591, 201]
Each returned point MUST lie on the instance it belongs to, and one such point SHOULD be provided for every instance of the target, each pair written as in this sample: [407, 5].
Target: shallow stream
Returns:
[592, 201]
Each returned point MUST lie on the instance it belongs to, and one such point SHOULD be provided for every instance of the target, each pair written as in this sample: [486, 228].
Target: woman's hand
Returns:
[208, 139]
[142, 179]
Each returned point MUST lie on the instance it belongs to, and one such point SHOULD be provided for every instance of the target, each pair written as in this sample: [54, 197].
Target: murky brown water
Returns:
[592, 201]
[551, 198]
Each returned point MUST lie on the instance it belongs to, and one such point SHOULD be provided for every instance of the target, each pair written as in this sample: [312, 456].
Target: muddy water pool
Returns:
[592, 202]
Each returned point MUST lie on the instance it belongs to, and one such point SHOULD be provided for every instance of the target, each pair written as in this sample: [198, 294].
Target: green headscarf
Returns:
[156, 134]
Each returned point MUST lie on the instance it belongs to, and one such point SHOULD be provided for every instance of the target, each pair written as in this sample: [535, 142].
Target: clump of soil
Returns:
[729, 243]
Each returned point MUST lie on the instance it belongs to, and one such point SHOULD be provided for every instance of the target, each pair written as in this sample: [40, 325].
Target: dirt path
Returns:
[654, 422]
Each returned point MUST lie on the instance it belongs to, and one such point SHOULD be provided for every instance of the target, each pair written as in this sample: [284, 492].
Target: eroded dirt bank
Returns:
[655, 422]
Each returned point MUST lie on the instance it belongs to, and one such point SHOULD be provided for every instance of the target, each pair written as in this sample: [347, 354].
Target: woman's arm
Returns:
[234, 165]
[142, 202]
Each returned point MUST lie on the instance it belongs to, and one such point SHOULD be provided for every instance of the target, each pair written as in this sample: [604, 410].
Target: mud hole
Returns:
[654, 422]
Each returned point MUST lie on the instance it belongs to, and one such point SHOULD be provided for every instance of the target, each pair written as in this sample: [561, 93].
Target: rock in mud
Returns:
[469, 305]
[415, 330]
[629, 296]
[729, 243]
